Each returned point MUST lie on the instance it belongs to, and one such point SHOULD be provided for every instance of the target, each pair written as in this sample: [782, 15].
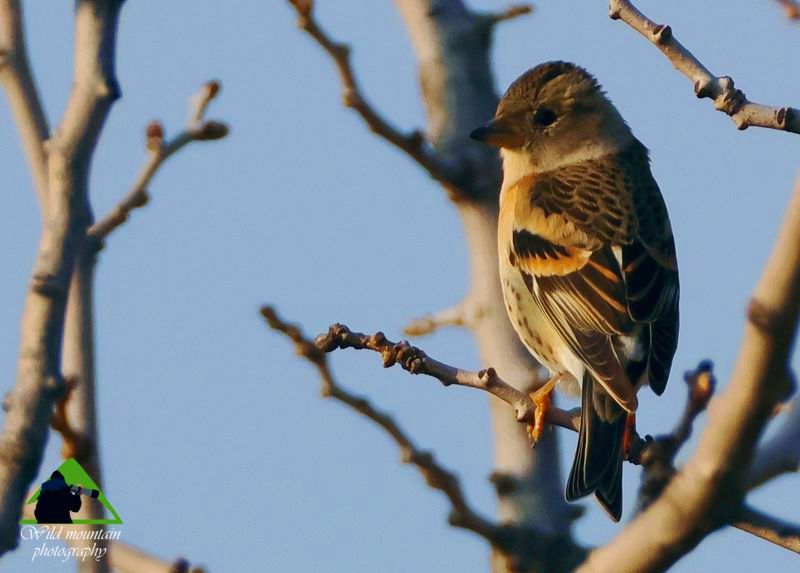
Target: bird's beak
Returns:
[500, 132]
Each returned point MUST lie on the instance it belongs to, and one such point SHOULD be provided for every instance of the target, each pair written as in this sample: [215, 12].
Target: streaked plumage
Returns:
[587, 257]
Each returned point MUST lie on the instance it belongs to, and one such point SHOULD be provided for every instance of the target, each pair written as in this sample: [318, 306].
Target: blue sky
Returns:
[214, 441]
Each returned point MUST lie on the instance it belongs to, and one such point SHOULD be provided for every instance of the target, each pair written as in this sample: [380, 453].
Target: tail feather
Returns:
[597, 467]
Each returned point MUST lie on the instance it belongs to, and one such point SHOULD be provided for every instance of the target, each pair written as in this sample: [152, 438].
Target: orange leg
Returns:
[627, 437]
[541, 399]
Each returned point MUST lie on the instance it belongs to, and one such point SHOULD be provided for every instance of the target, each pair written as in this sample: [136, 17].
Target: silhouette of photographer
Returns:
[56, 500]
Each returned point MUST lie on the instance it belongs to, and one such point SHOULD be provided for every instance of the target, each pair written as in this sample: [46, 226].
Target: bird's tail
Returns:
[597, 467]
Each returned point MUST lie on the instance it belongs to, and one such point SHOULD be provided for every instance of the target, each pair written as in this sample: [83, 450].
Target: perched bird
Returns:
[587, 260]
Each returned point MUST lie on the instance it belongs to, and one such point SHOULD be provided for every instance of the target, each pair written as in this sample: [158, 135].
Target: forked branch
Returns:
[438, 477]
[519, 543]
[159, 150]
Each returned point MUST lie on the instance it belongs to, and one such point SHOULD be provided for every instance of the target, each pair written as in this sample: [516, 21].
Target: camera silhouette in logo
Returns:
[68, 490]
[57, 499]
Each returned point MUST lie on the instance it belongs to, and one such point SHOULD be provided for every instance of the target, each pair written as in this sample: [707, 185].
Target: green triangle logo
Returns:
[74, 476]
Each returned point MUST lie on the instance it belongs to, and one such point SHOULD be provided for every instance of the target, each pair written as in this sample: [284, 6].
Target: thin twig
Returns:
[415, 361]
[465, 314]
[413, 143]
[721, 90]
[657, 455]
[510, 13]
[769, 528]
[438, 477]
[430, 323]
[197, 129]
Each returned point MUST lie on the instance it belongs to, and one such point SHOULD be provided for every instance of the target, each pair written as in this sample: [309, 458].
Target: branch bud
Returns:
[213, 88]
[212, 130]
[155, 135]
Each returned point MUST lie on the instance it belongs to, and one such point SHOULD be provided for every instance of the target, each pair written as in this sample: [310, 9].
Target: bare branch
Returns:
[76, 416]
[657, 455]
[791, 8]
[23, 97]
[781, 452]
[706, 493]
[661, 450]
[415, 361]
[721, 90]
[438, 477]
[465, 314]
[197, 129]
[39, 383]
[510, 13]
[430, 323]
[769, 528]
[518, 544]
[413, 144]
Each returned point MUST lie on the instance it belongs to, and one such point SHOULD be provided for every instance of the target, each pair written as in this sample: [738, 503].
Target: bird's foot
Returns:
[541, 399]
[627, 436]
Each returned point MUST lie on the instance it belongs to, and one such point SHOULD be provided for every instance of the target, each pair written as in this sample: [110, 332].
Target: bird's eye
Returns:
[544, 117]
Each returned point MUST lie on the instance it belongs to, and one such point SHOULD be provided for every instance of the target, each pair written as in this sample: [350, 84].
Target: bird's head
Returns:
[554, 114]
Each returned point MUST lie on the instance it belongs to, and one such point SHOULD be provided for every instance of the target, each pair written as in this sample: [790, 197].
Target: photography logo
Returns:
[63, 493]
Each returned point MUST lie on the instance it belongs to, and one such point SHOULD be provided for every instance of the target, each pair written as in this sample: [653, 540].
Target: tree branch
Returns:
[413, 144]
[781, 452]
[415, 361]
[657, 455]
[39, 383]
[74, 443]
[461, 515]
[519, 544]
[510, 13]
[23, 97]
[197, 129]
[706, 493]
[465, 314]
[769, 528]
[721, 90]
[76, 417]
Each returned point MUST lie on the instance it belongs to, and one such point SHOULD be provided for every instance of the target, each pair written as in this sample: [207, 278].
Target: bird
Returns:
[587, 260]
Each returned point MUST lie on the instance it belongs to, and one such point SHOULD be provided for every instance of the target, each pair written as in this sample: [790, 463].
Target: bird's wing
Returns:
[650, 267]
[574, 231]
